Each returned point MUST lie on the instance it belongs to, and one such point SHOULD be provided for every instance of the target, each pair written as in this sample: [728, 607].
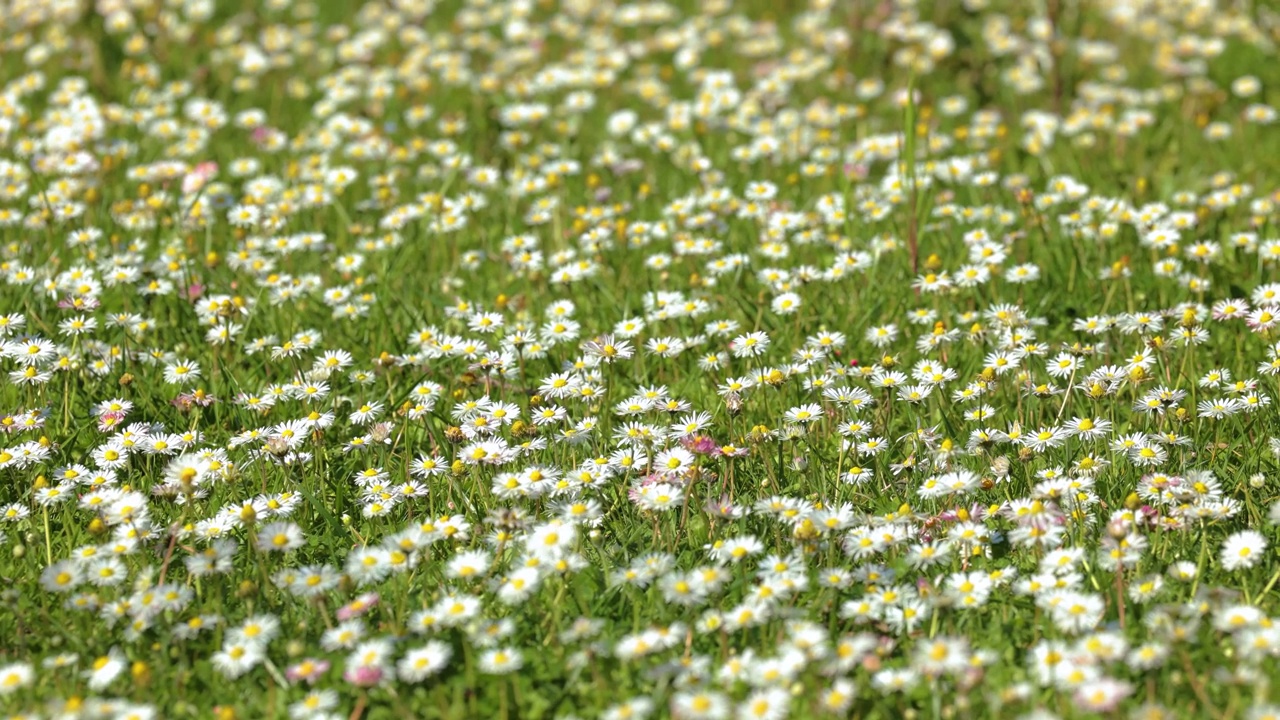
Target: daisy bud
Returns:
[733, 402]
[1118, 529]
[1000, 467]
[277, 446]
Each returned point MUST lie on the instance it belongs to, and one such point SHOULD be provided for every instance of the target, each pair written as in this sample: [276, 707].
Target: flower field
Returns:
[589, 359]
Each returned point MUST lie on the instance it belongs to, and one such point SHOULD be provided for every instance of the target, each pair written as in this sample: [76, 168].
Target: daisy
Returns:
[420, 663]
[14, 677]
[703, 705]
[501, 661]
[1243, 550]
[105, 669]
[314, 703]
[181, 372]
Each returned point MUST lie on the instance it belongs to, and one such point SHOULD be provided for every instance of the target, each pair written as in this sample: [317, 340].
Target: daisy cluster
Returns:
[596, 359]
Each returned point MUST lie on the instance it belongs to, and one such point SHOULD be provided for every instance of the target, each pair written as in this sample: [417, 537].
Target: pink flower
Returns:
[1148, 516]
[701, 445]
[633, 492]
[977, 513]
[358, 607]
[724, 508]
[309, 670]
[185, 401]
[363, 675]
[199, 175]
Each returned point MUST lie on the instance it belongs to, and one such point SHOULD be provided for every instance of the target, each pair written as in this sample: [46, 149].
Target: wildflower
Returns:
[706, 705]
[1101, 695]
[420, 663]
[105, 669]
[14, 677]
[309, 670]
[1243, 550]
[752, 344]
[181, 372]
[501, 661]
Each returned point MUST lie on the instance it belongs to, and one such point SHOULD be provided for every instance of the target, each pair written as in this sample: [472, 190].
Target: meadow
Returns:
[587, 359]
